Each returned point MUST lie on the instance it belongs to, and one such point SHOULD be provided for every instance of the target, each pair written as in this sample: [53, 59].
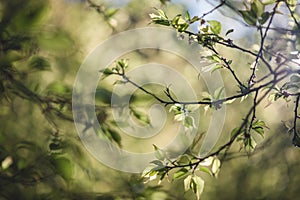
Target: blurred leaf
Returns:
[103, 95]
[216, 166]
[189, 122]
[229, 31]
[30, 16]
[295, 78]
[296, 140]
[257, 7]
[215, 26]
[141, 117]
[194, 19]
[187, 183]
[58, 88]
[248, 17]
[219, 93]
[207, 162]
[159, 153]
[180, 173]
[160, 18]
[110, 12]
[56, 42]
[39, 63]
[187, 16]
[157, 162]
[267, 2]
[205, 169]
[264, 17]
[197, 185]
[64, 167]
[115, 136]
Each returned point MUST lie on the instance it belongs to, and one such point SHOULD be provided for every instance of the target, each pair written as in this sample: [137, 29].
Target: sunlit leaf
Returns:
[187, 16]
[207, 162]
[216, 166]
[257, 7]
[187, 182]
[64, 167]
[206, 170]
[189, 122]
[197, 186]
[215, 26]
[180, 173]
[159, 153]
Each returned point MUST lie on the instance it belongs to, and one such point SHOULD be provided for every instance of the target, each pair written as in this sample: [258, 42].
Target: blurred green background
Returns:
[42, 46]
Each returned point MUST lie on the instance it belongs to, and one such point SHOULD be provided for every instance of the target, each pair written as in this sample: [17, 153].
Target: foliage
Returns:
[40, 153]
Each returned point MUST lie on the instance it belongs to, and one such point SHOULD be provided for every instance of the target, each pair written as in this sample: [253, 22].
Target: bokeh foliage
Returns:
[41, 156]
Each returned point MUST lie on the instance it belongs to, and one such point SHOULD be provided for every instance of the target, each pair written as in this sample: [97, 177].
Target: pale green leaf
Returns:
[215, 166]
[198, 186]
[215, 26]
[180, 173]
[187, 182]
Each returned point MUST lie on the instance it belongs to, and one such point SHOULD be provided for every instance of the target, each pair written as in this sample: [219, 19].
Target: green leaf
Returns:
[107, 71]
[219, 93]
[110, 12]
[123, 63]
[259, 130]
[58, 88]
[141, 117]
[187, 182]
[194, 19]
[257, 7]
[259, 123]
[214, 58]
[189, 122]
[115, 136]
[215, 68]
[205, 169]
[248, 17]
[159, 153]
[267, 2]
[39, 63]
[180, 173]
[187, 16]
[215, 26]
[64, 167]
[216, 166]
[296, 141]
[197, 186]
[229, 31]
[157, 162]
[264, 18]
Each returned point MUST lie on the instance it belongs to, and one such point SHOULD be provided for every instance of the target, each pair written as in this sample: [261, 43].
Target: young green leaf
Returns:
[264, 18]
[248, 17]
[187, 16]
[215, 168]
[189, 122]
[257, 7]
[215, 26]
[205, 169]
[180, 173]
[229, 31]
[197, 186]
[187, 182]
[159, 153]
